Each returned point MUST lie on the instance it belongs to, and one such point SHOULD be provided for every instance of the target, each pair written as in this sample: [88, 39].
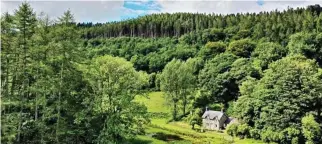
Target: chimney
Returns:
[222, 110]
[206, 108]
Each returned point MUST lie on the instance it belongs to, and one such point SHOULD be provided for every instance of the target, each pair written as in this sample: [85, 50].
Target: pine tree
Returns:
[8, 100]
[25, 22]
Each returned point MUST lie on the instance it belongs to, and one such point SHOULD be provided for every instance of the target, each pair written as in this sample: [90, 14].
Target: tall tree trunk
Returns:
[175, 101]
[174, 110]
[184, 102]
[184, 105]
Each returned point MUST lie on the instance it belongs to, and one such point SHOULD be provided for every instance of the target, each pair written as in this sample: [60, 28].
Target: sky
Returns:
[106, 10]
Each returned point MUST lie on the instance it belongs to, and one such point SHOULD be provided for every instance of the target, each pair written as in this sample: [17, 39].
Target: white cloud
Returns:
[84, 11]
[103, 11]
[226, 7]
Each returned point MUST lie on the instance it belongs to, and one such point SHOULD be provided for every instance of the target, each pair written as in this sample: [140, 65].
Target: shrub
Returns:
[311, 129]
[255, 133]
[243, 130]
[295, 140]
[290, 135]
[270, 136]
[232, 129]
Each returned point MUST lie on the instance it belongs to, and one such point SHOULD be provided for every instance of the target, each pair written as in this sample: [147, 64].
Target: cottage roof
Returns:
[231, 120]
[213, 114]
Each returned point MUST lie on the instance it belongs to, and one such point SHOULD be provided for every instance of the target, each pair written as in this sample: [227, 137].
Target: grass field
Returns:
[154, 102]
[162, 132]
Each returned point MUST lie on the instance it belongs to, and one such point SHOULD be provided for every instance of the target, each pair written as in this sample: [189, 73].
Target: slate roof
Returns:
[213, 114]
[230, 119]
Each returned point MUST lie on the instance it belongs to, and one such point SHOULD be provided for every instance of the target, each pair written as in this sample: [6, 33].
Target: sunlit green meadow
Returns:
[160, 131]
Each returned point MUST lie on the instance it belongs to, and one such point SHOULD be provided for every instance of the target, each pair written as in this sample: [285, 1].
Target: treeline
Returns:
[267, 77]
[64, 82]
[275, 91]
[274, 24]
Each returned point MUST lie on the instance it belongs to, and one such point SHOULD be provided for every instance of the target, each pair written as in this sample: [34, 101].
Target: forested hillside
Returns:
[268, 24]
[67, 82]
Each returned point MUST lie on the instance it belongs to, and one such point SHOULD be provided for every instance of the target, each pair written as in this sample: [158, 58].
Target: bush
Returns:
[291, 135]
[243, 130]
[311, 129]
[295, 140]
[270, 136]
[255, 133]
[232, 129]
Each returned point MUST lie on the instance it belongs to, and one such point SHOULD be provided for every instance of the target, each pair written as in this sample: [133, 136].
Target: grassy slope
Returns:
[156, 104]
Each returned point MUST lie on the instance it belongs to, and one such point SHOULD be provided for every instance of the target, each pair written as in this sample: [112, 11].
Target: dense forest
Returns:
[68, 82]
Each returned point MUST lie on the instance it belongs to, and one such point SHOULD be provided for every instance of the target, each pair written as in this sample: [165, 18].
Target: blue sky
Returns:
[107, 10]
[142, 7]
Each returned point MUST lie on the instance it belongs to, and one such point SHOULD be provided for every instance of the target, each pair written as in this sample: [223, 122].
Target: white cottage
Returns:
[214, 120]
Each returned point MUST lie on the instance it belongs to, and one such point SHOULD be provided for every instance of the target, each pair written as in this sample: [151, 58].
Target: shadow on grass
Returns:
[166, 137]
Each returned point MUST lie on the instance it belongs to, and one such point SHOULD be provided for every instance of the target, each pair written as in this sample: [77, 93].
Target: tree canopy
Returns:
[68, 82]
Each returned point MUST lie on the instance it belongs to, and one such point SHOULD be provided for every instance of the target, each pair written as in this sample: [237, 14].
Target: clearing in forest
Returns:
[160, 131]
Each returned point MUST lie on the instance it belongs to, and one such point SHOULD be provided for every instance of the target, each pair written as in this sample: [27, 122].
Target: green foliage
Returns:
[232, 129]
[177, 82]
[278, 100]
[230, 110]
[212, 49]
[214, 80]
[67, 18]
[266, 53]
[242, 34]
[308, 44]
[255, 133]
[242, 48]
[63, 82]
[195, 118]
[247, 87]
[311, 129]
[243, 131]
[115, 83]
[291, 135]
[196, 64]
[301, 43]
[241, 69]
[275, 25]
[183, 128]
[270, 136]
